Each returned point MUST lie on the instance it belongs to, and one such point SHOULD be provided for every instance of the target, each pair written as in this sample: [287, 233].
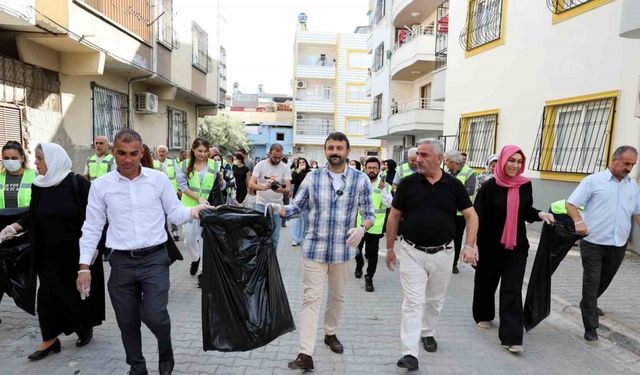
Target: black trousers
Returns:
[371, 244]
[139, 291]
[507, 267]
[457, 238]
[599, 265]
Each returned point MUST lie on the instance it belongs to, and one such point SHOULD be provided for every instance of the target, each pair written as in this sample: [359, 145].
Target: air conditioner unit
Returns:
[299, 149]
[147, 102]
[301, 84]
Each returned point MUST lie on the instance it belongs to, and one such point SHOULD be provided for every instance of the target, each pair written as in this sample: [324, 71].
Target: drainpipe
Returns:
[154, 67]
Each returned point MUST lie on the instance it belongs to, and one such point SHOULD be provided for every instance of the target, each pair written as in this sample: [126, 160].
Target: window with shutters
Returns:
[10, 125]
[199, 48]
[376, 108]
[110, 112]
[178, 129]
[575, 134]
[477, 136]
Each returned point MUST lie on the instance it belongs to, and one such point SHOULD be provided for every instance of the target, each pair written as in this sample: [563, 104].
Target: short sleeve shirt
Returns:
[429, 210]
[265, 171]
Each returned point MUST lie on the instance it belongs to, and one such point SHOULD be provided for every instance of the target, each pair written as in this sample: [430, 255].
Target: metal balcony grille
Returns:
[442, 34]
[484, 21]
[560, 6]
[110, 112]
[477, 137]
[575, 137]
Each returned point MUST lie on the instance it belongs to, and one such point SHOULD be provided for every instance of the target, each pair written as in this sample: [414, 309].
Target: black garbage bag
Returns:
[244, 302]
[555, 242]
[17, 273]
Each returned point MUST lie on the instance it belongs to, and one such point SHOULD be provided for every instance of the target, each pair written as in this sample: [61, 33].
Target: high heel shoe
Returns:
[39, 354]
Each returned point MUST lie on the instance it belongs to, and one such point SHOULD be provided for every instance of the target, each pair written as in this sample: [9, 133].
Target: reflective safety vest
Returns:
[171, 167]
[463, 176]
[559, 207]
[202, 188]
[404, 170]
[24, 192]
[378, 208]
[99, 169]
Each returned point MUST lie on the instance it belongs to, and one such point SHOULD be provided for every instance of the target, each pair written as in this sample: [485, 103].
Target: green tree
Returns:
[223, 132]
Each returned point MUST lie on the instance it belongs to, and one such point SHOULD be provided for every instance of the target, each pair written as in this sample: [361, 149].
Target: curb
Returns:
[610, 328]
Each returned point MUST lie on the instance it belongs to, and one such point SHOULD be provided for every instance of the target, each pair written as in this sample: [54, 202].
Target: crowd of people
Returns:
[128, 207]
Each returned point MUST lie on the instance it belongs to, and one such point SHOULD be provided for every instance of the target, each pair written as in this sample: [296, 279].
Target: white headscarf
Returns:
[58, 165]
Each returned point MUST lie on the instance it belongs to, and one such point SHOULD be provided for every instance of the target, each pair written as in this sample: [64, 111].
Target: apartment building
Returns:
[557, 78]
[75, 69]
[408, 45]
[330, 72]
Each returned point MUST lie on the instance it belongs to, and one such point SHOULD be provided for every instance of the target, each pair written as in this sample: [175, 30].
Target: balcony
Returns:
[316, 71]
[306, 37]
[314, 103]
[317, 127]
[415, 57]
[411, 12]
[420, 114]
[630, 22]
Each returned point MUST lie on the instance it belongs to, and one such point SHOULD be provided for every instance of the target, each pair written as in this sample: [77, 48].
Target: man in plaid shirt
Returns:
[333, 195]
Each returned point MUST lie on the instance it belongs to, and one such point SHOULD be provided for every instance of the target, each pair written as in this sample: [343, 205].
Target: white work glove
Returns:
[546, 217]
[7, 233]
[355, 236]
[83, 283]
[274, 208]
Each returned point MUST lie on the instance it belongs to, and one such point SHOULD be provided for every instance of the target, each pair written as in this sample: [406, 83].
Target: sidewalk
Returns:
[621, 301]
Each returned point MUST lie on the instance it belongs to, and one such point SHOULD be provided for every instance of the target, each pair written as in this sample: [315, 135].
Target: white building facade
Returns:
[406, 86]
[555, 78]
[330, 93]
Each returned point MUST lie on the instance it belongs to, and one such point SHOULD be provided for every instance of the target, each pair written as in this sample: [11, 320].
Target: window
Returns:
[358, 60]
[574, 135]
[165, 26]
[10, 125]
[376, 109]
[279, 136]
[178, 129]
[357, 126]
[442, 34]
[356, 92]
[378, 59]
[379, 15]
[110, 112]
[564, 9]
[484, 25]
[477, 136]
[199, 48]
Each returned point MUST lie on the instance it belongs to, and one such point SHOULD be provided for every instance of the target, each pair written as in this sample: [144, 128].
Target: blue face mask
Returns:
[12, 165]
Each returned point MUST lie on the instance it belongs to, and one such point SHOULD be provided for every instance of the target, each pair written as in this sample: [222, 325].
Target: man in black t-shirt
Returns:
[427, 202]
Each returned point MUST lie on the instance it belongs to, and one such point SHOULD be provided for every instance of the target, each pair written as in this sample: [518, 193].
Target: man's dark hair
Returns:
[127, 136]
[337, 136]
[372, 159]
[242, 150]
[276, 147]
[463, 153]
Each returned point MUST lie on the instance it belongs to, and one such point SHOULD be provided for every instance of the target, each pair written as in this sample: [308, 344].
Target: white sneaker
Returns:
[485, 325]
[516, 349]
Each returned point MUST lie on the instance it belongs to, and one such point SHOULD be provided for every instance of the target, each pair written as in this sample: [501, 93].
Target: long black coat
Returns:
[55, 219]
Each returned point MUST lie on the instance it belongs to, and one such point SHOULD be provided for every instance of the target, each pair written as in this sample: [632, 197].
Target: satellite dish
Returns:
[302, 18]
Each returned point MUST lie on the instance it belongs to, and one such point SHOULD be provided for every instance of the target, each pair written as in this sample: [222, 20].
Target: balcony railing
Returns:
[314, 127]
[314, 98]
[416, 104]
[132, 15]
[420, 30]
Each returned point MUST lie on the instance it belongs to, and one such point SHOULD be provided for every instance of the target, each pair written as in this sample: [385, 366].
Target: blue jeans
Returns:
[277, 221]
[299, 227]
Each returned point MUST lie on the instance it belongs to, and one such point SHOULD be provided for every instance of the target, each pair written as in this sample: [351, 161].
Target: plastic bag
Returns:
[17, 272]
[244, 302]
[555, 242]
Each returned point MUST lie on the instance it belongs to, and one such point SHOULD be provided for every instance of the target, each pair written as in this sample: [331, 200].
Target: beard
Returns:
[336, 160]
[373, 176]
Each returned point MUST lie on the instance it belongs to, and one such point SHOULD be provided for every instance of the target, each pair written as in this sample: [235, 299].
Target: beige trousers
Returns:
[314, 278]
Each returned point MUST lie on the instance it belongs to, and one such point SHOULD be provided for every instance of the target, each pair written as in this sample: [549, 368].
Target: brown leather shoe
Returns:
[333, 343]
[302, 362]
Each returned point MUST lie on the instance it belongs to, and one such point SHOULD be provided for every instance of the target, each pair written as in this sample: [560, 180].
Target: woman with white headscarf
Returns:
[55, 218]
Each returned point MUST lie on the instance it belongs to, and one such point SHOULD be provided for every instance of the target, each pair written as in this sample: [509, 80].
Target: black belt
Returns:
[428, 249]
[142, 252]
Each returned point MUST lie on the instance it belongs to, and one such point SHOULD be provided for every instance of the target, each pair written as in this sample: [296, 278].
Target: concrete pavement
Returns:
[370, 332]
